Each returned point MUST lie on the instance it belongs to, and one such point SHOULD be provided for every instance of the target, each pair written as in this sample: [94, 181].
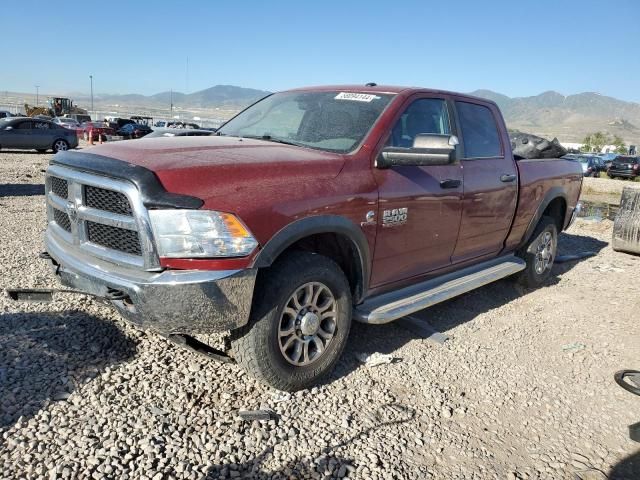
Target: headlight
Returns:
[200, 233]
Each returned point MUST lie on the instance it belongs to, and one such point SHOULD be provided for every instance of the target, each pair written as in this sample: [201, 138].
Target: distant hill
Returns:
[570, 118]
[214, 97]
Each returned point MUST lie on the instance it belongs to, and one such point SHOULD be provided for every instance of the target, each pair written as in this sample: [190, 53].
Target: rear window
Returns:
[626, 160]
[480, 134]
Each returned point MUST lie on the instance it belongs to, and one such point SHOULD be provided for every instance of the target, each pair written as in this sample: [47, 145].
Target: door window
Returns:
[41, 125]
[426, 115]
[24, 126]
[479, 131]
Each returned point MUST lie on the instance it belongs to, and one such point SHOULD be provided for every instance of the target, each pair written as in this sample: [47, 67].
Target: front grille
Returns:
[108, 200]
[62, 219]
[115, 238]
[60, 187]
[99, 216]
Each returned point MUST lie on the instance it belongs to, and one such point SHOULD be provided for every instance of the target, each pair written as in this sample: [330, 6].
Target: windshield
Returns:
[333, 121]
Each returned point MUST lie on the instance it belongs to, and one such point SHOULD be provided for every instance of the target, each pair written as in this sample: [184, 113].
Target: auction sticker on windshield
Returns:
[356, 97]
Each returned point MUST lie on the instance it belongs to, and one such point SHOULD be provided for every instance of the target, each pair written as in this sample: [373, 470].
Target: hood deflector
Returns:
[154, 195]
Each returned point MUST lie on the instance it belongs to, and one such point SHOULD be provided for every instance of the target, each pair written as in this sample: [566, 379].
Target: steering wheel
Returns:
[629, 380]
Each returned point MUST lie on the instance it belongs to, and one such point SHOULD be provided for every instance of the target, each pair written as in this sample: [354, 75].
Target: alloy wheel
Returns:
[307, 324]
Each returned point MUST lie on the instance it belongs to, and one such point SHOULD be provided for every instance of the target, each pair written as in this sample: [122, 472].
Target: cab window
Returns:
[426, 115]
[479, 131]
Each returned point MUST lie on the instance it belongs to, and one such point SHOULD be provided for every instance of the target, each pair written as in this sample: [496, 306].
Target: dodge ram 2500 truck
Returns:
[308, 209]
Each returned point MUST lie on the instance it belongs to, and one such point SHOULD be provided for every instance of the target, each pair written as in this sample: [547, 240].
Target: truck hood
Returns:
[209, 167]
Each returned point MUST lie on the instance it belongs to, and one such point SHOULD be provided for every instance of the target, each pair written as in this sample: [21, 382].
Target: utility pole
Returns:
[37, 94]
[171, 103]
[91, 78]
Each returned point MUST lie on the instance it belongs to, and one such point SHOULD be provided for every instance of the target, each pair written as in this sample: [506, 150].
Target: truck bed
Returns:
[540, 178]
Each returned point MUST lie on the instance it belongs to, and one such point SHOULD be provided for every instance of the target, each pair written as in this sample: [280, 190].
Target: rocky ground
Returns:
[522, 389]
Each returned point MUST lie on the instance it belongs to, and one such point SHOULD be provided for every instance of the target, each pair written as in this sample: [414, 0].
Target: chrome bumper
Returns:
[172, 301]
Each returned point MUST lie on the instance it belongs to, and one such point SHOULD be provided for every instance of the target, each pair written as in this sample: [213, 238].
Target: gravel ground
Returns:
[522, 389]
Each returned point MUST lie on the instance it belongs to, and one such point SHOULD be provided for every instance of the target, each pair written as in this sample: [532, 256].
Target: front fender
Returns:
[308, 226]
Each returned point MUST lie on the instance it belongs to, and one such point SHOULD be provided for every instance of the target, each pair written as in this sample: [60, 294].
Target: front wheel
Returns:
[539, 253]
[299, 323]
[60, 146]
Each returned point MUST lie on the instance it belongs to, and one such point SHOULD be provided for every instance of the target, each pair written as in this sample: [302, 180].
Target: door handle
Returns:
[450, 183]
[507, 177]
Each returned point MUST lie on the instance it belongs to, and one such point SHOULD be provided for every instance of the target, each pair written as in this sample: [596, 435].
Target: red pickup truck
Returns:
[309, 208]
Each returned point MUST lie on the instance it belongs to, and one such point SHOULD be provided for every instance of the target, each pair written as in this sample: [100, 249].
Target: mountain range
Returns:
[570, 118]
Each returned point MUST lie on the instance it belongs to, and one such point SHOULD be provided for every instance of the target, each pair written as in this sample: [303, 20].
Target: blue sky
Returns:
[142, 47]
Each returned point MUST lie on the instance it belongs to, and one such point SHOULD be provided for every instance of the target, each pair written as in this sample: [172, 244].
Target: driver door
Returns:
[19, 136]
[419, 206]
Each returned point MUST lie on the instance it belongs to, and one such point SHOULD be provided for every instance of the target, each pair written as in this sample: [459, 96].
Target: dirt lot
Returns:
[522, 389]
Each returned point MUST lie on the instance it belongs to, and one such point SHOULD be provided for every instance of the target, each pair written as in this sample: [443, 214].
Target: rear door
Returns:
[42, 134]
[490, 180]
[419, 207]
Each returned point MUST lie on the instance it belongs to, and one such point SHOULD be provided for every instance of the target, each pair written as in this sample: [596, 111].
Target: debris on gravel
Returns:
[85, 395]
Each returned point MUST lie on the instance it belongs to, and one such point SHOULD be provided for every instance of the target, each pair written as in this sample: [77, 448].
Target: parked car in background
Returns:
[5, 114]
[148, 121]
[29, 133]
[118, 123]
[175, 124]
[178, 132]
[134, 130]
[69, 123]
[80, 117]
[95, 129]
[591, 165]
[624, 167]
[607, 159]
[66, 122]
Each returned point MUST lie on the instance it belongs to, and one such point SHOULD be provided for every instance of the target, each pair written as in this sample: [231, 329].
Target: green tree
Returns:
[595, 142]
[619, 144]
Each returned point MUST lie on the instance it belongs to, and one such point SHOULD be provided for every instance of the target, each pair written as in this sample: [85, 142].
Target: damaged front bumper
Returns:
[170, 302]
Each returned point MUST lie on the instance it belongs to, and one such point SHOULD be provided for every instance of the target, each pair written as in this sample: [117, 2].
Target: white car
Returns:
[66, 122]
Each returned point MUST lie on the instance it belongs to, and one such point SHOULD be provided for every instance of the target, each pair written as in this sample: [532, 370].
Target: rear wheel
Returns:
[60, 146]
[539, 253]
[299, 324]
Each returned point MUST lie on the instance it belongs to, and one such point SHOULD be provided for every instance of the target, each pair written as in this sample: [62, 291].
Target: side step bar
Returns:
[393, 305]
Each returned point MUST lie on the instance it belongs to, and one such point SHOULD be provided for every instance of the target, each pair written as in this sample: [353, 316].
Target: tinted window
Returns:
[427, 115]
[41, 125]
[479, 131]
[23, 126]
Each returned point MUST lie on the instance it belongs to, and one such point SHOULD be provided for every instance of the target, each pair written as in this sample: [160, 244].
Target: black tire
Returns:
[533, 275]
[257, 346]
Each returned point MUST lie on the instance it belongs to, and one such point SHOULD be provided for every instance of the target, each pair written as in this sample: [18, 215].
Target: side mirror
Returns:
[428, 149]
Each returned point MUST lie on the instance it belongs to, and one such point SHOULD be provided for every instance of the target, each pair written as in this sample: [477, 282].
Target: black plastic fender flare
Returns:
[305, 227]
[550, 196]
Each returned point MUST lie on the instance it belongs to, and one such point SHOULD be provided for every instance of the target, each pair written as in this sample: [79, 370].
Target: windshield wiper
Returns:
[269, 138]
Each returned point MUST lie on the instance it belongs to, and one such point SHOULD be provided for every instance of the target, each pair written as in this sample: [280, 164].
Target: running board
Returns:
[394, 305]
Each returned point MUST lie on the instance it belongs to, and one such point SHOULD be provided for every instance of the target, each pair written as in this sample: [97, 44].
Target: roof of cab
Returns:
[388, 89]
